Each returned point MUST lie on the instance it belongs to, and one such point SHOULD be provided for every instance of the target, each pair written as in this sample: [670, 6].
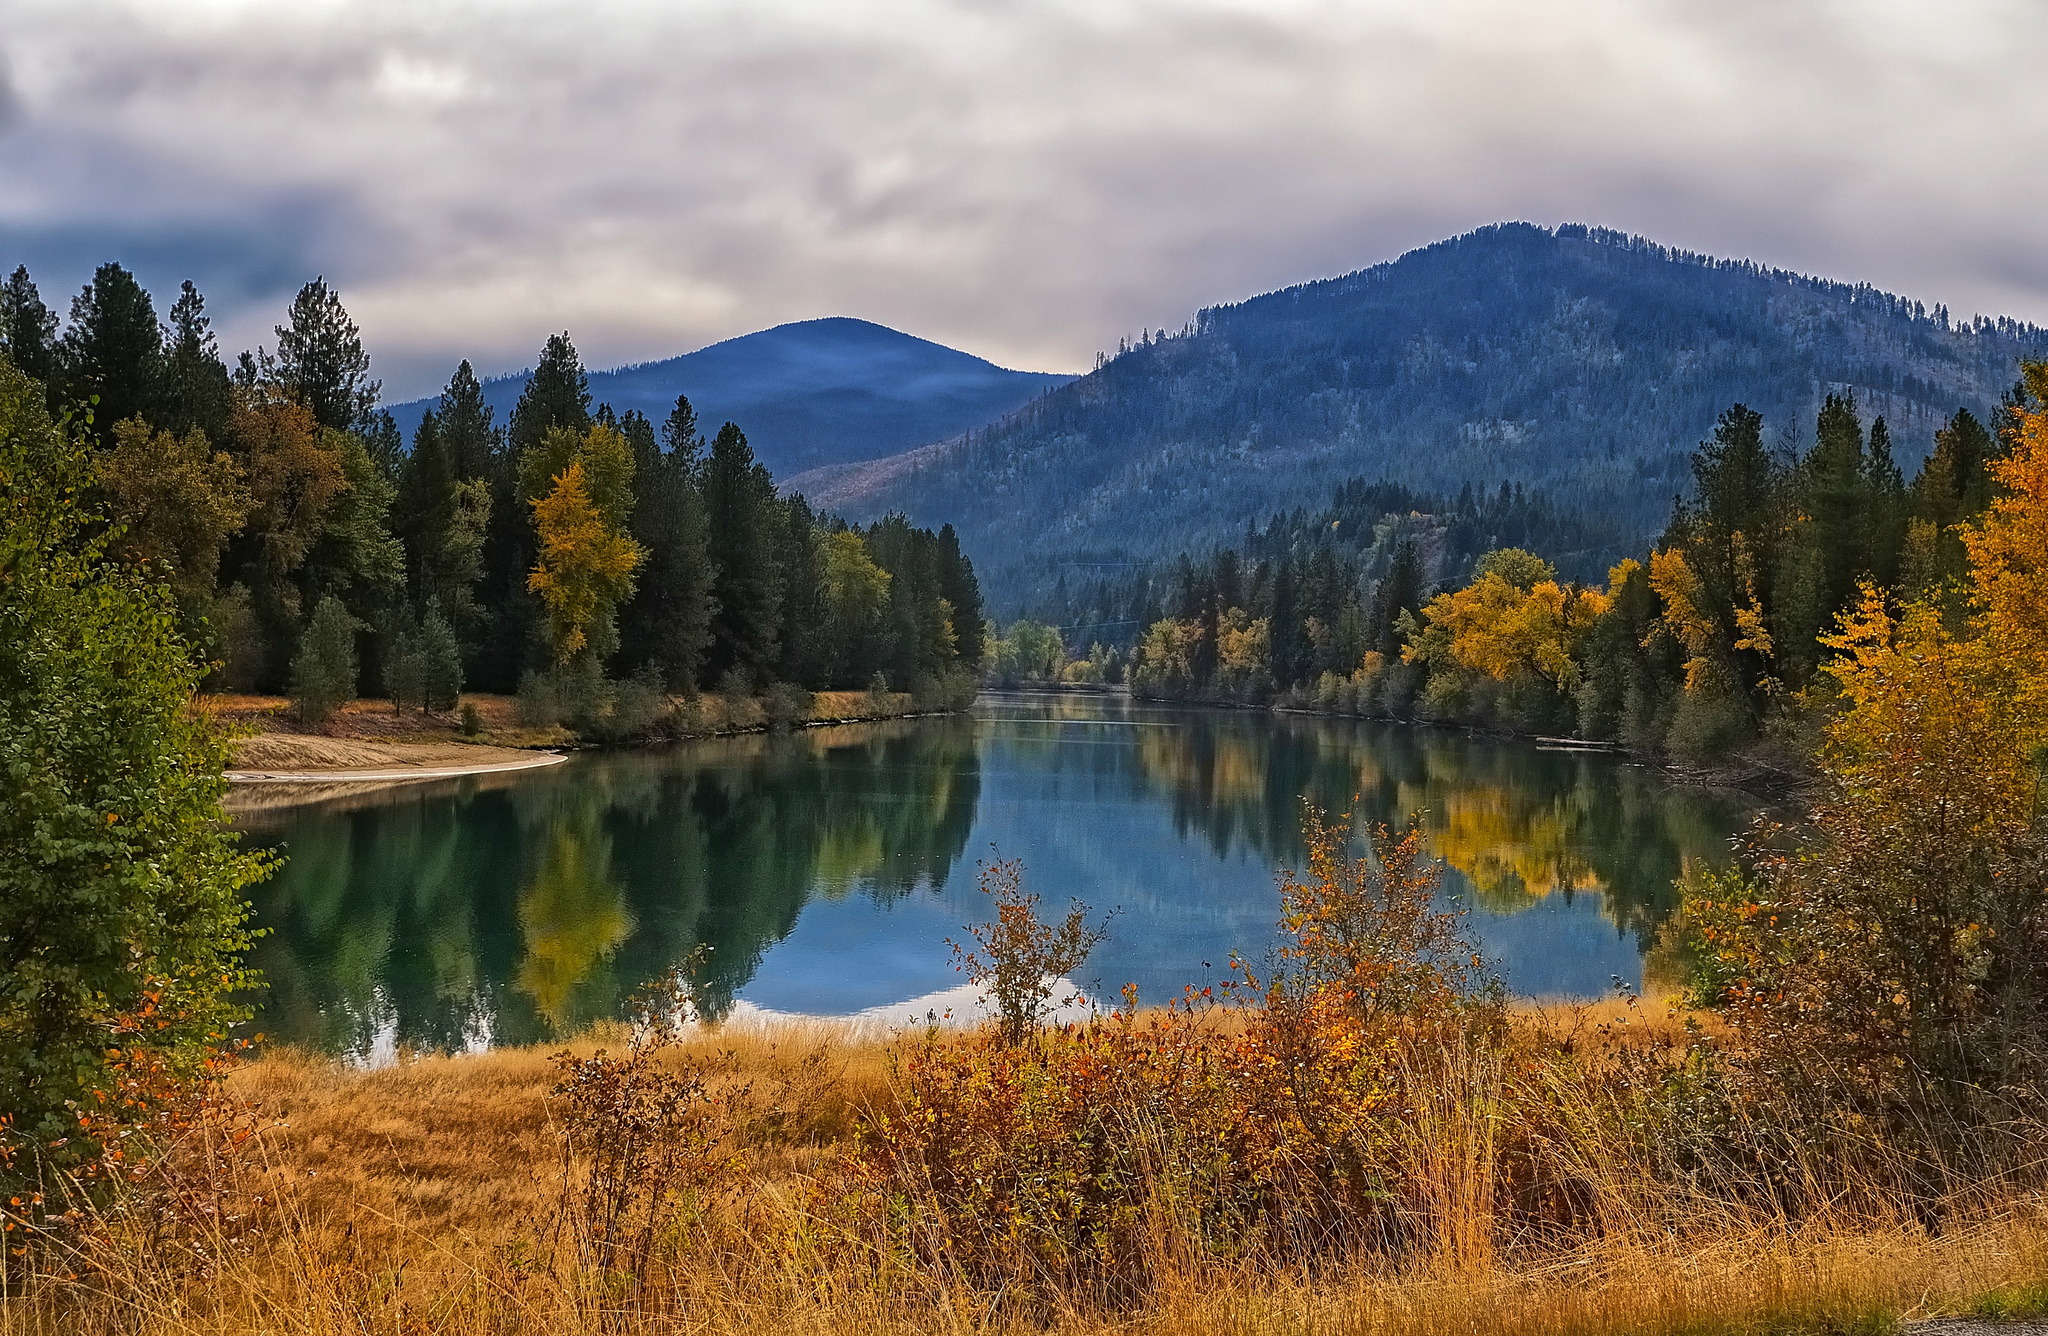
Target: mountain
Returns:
[813, 393]
[1579, 362]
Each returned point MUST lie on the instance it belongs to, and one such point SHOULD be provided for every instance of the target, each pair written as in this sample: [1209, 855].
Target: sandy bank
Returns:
[311, 758]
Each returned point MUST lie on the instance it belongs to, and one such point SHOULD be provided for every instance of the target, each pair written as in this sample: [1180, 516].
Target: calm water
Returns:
[825, 870]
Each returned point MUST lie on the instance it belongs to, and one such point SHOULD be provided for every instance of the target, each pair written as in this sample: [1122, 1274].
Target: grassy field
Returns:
[434, 1196]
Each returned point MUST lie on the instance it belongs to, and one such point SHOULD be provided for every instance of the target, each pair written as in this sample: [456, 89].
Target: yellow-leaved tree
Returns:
[585, 569]
[1907, 938]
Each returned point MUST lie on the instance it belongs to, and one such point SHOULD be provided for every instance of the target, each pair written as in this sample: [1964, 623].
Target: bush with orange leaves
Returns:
[1895, 950]
[1091, 1156]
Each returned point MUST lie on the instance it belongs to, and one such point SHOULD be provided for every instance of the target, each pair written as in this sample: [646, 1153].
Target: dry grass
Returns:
[418, 1198]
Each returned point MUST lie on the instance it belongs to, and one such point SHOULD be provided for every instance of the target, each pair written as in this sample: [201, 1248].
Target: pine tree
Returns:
[324, 671]
[557, 395]
[423, 515]
[440, 661]
[800, 564]
[959, 588]
[1401, 592]
[196, 387]
[473, 444]
[667, 624]
[741, 513]
[321, 361]
[28, 329]
[113, 349]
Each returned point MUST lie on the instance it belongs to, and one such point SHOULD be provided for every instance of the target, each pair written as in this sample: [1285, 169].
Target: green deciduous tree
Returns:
[121, 910]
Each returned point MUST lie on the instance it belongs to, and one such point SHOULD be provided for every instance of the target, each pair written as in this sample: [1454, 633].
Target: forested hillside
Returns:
[1582, 364]
[811, 393]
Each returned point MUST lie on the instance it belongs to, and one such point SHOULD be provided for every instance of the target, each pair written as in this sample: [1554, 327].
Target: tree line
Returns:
[310, 549]
[1713, 640]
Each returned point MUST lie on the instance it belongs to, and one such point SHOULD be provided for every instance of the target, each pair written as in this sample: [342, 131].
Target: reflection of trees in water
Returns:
[1520, 823]
[525, 911]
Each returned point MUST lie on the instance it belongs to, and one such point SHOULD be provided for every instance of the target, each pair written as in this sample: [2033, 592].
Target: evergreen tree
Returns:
[324, 670]
[1401, 592]
[960, 590]
[440, 661]
[114, 349]
[667, 624]
[423, 515]
[556, 395]
[1285, 627]
[741, 514]
[196, 387]
[321, 361]
[802, 611]
[386, 445]
[28, 329]
[473, 444]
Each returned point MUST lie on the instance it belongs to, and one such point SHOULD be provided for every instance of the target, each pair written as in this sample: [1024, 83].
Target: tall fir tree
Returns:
[474, 446]
[666, 625]
[28, 330]
[114, 349]
[196, 387]
[321, 361]
[958, 587]
[741, 514]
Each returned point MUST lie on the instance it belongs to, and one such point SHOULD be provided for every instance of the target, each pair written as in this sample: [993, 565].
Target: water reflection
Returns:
[822, 872]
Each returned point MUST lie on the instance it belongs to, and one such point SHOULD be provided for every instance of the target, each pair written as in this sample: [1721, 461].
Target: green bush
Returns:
[121, 911]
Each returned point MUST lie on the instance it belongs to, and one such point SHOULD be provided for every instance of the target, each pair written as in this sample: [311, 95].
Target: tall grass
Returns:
[1370, 1140]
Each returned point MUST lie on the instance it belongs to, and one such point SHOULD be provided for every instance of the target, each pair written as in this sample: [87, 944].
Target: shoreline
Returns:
[393, 774]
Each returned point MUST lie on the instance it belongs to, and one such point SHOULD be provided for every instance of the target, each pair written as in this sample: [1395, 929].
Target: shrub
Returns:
[1019, 957]
[121, 910]
[472, 722]
[787, 705]
[324, 673]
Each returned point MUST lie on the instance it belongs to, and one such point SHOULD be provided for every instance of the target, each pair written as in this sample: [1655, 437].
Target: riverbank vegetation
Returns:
[1709, 645]
[592, 563]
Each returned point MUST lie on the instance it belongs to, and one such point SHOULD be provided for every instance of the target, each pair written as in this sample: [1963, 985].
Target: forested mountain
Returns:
[1580, 363]
[812, 393]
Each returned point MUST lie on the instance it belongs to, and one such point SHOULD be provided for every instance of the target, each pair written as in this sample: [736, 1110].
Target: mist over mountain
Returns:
[1581, 363]
[812, 393]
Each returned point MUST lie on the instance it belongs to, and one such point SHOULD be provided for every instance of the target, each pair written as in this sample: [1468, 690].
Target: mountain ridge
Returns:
[1578, 360]
[808, 393]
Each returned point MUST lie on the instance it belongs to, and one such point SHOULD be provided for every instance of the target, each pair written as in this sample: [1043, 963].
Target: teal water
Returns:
[824, 870]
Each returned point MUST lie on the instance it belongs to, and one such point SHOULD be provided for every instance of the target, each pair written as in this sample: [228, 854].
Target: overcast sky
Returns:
[1027, 181]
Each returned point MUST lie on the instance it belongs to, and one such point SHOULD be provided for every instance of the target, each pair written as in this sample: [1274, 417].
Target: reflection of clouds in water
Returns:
[959, 1008]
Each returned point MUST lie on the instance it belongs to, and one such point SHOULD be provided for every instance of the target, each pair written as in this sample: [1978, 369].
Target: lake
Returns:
[823, 871]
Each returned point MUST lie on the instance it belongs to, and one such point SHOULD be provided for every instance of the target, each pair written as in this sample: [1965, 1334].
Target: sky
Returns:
[1025, 179]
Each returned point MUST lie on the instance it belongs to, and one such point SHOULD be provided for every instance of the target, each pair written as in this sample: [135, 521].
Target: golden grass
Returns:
[417, 1198]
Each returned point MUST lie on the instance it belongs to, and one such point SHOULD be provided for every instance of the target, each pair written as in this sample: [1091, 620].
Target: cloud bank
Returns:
[1026, 179]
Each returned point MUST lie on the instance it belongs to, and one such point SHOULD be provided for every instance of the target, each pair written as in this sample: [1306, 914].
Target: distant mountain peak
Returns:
[810, 393]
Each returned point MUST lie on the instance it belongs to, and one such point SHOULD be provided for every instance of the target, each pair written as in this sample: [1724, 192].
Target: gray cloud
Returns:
[1027, 179]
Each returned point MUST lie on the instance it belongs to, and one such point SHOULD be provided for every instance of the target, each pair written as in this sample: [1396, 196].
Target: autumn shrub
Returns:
[645, 1141]
[1296, 1127]
[1020, 958]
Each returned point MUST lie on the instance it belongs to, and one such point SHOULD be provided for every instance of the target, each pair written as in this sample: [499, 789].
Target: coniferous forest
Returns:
[311, 550]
